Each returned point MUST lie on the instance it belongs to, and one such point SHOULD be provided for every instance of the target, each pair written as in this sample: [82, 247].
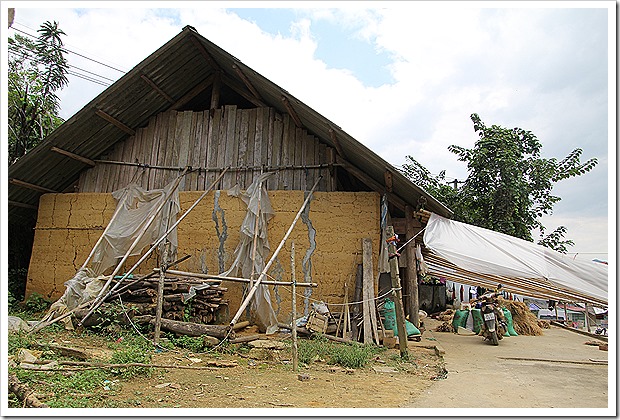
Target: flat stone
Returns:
[267, 344]
[384, 369]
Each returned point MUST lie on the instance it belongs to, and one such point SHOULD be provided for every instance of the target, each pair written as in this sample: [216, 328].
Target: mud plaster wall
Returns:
[327, 241]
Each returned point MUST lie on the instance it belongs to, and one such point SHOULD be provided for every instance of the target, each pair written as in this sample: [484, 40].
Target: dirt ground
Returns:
[469, 374]
[555, 370]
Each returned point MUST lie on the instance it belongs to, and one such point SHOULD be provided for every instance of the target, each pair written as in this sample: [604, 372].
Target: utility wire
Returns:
[73, 52]
[27, 54]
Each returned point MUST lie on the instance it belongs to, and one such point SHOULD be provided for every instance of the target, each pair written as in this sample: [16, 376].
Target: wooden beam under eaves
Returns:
[203, 51]
[246, 82]
[193, 93]
[292, 112]
[334, 138]
[387, 176]
[156, 88]
[73, 156]
[31, 186]
[215, 91]
[115, 122]
[23, 205]
[241, 90]
[359, 174]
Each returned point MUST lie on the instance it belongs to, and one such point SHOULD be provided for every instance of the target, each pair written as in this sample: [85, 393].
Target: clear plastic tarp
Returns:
[135, 207]
[255, 225]
[488, 252]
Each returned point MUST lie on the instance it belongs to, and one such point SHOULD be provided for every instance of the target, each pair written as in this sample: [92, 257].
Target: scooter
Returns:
[494, 326]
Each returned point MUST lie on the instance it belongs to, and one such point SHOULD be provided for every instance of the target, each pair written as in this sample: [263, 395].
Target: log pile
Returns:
[206, 307]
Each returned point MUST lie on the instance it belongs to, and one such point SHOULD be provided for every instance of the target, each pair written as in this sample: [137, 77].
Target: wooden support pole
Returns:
[397, 295]
[160, 292]
[102, 295]
[195, 91]
[369, 307]
[31, 186]
[291, 111]
[413, 304]
[334, 138]
[294, 307]
[23, 205]
[246, 82]
[115, 122]
[244, 304]
[215, 91]
[233, 279]
[156, 88]
[119, 206]
[73, 156]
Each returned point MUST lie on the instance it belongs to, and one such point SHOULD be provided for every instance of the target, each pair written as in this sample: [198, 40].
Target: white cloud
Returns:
[542, 70]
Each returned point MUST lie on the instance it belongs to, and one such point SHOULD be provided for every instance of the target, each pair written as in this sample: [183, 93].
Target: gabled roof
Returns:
[172, 78]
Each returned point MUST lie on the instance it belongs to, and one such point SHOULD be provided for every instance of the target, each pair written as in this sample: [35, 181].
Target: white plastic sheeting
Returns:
[257, 200]
[135, 206]
[488, 252]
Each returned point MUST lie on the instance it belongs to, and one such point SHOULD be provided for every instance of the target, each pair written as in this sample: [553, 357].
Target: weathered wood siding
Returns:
[245, 140]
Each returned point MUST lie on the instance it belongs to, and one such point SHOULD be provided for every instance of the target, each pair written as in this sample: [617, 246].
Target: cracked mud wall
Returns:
[69, 225]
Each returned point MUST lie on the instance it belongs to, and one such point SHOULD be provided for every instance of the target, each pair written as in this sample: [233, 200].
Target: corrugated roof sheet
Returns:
[176, 68]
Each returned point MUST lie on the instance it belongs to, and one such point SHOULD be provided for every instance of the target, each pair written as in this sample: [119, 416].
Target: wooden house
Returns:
[192, 105]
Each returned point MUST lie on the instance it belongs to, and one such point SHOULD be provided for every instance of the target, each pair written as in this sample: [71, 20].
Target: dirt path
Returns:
[479, 377]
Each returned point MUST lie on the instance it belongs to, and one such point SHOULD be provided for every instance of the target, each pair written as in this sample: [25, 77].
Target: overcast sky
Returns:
[403, 78]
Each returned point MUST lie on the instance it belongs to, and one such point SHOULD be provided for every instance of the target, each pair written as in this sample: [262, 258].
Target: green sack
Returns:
[478, 321]
[389, 312]
[510, 330]
[460, 319]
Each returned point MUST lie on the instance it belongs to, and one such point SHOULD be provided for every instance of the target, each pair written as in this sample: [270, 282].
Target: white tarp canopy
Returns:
[488, 252]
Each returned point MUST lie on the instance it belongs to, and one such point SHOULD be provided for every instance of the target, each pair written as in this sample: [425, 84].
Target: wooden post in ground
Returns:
[397, 295]
[294, 304]
[368, 307]
[160, 292]
[413, 305]
[252, 291]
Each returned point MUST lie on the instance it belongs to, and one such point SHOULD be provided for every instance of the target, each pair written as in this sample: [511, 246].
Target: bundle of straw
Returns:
[524, 321]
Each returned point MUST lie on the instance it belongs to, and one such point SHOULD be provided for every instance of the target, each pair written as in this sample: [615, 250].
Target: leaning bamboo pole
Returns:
[233, 279]
[164, 236]
[252, 291]
[144, 227]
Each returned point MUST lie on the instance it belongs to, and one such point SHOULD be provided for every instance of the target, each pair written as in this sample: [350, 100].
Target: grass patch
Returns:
[347, 355]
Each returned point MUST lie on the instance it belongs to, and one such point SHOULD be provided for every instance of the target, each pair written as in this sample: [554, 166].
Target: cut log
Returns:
[24, 393]
[187, 328]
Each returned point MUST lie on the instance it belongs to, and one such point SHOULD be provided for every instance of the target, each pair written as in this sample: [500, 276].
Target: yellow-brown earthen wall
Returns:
[69, 225]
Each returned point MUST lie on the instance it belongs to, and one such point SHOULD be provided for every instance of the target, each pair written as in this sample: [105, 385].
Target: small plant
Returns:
[352, 355]
[36, 304]
[132, 352]
[194, 344]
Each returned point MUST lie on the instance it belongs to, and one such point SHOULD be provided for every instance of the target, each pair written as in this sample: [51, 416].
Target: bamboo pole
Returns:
[102, 294]
[114, 216]
[294, 308]
[160, 293]
[233, 279]
[273, 257]
[397, 295]
[164, 236]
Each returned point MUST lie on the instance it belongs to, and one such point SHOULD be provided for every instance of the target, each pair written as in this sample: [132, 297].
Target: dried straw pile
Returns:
[524, 321]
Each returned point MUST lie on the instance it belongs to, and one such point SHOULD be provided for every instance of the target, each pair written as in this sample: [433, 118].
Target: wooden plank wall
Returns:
[211, 141]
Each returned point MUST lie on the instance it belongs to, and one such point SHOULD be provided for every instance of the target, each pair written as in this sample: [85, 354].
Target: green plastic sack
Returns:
[389, 312]
[510, 330]
[478, 320]
[460, 319]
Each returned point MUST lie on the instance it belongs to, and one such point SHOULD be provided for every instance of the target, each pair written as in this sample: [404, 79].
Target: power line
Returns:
[27, 54]
[73, 52]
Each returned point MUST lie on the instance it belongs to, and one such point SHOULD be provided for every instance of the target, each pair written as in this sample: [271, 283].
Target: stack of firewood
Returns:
[206, 307]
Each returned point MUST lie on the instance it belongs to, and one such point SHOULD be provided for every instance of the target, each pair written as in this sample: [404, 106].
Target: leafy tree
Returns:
[509, 185]
[37, 70]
